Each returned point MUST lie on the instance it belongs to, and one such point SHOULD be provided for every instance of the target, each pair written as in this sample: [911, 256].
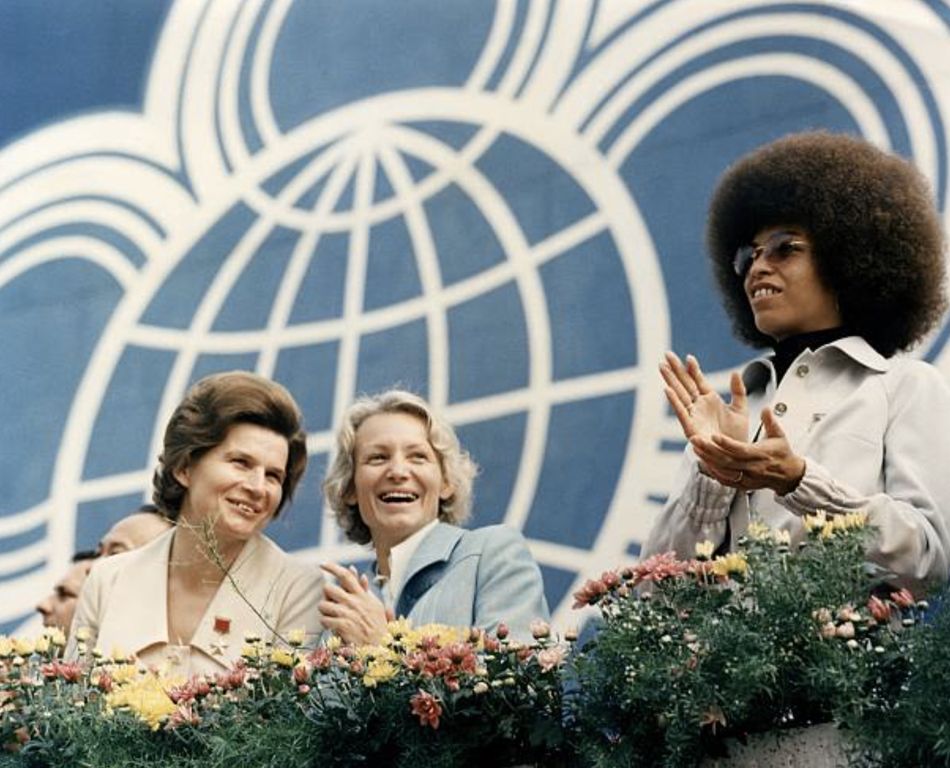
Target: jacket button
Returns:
[780, 409]
[802, 370]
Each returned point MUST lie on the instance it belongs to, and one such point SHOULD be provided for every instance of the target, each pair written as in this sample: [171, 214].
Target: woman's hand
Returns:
[698, 407]
[769, 463]
[350, 610]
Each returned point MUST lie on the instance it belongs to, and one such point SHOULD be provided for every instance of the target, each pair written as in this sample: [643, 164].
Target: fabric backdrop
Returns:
[497, 204]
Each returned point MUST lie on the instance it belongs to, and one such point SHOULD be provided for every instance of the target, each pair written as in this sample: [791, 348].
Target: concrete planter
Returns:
[818, 746]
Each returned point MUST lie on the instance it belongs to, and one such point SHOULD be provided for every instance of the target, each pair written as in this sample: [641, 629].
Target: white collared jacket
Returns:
[875, 436]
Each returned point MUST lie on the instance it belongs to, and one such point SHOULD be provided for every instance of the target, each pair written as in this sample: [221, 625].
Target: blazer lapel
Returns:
[427, 565]
[229, 616]
[140, 601]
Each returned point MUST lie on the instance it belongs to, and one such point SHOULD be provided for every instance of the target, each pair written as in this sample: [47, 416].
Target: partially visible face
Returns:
[237, 485]
[58, 607]
[785, 292]
[132, 532]
[398, 479]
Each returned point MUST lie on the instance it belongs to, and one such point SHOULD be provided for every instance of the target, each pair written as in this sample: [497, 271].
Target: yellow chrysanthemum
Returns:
[118, 654]
[379, 671]
[829, 525]
[23, 646]
[396, 631]
[705, 549]
[146, 697]
[282, 658]
[333, 643]
[6, 646]
[758, 531]
[296, 637]
[369, 652]
[123, 673]
[55, 635]
[734, 562]
[815, 522]
[444, 635]
[852, 521]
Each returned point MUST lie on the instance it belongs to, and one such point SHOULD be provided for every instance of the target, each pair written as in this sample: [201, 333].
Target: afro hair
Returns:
[876, 234]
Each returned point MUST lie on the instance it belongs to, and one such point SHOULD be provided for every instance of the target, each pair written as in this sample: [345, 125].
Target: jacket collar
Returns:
[758, 372]
[426, 564]
[144, 601]
[141, 603]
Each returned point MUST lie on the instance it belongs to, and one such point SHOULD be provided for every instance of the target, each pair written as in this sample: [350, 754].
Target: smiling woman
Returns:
[401, 482]
[234, 451]
[829, 251]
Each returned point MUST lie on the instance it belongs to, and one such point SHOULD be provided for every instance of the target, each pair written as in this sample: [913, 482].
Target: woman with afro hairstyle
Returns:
[830, 252]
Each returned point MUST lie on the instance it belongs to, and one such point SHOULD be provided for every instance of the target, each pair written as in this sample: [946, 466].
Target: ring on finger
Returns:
[739, 477]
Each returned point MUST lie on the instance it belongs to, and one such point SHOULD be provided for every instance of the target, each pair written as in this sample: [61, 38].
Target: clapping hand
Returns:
[698, 407]
[719, 431]
[768, 463]
[350, 609]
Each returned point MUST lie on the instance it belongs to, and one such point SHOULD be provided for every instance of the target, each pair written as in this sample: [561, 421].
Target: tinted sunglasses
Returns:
[777, 249]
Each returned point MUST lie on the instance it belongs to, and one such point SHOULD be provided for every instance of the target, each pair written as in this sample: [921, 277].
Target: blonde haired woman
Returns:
[401, 482]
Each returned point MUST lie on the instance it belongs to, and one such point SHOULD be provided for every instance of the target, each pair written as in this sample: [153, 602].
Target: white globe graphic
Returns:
[378, 247]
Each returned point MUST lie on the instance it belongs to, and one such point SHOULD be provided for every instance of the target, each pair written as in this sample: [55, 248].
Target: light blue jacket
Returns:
[473, 578]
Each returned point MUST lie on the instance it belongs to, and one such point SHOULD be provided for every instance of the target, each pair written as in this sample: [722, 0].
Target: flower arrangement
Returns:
[905, 723]
[691, 653]
[474, 698]
[771, 636]
[432, 695]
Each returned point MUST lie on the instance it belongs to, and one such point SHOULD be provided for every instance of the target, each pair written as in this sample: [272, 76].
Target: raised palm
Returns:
[698, 407]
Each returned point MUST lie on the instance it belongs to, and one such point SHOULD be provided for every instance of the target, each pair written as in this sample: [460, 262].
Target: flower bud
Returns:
[903, 598]
[845, 631]
[879, 609]
[540, 629]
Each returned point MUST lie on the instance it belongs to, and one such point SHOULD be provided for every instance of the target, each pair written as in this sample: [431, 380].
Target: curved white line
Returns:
[11, 525]
[70, 248]
[260, 71]
[430, 276]
[822, 76]
[614, 62]
[296, 271]
[228, 109]
[203, 155]
[531, 38]
[111, 216]
[158, 337]
[24, 557]
[494, 46]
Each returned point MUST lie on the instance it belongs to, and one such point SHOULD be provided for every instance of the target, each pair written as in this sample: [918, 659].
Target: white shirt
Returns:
[399, 557]
[875, 436]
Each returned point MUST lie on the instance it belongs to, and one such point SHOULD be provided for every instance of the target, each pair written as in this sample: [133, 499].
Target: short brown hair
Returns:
[876, 235]
[458, 468]
[205, 416]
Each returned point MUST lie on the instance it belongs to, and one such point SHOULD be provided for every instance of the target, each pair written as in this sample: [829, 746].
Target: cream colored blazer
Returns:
[124, 606]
